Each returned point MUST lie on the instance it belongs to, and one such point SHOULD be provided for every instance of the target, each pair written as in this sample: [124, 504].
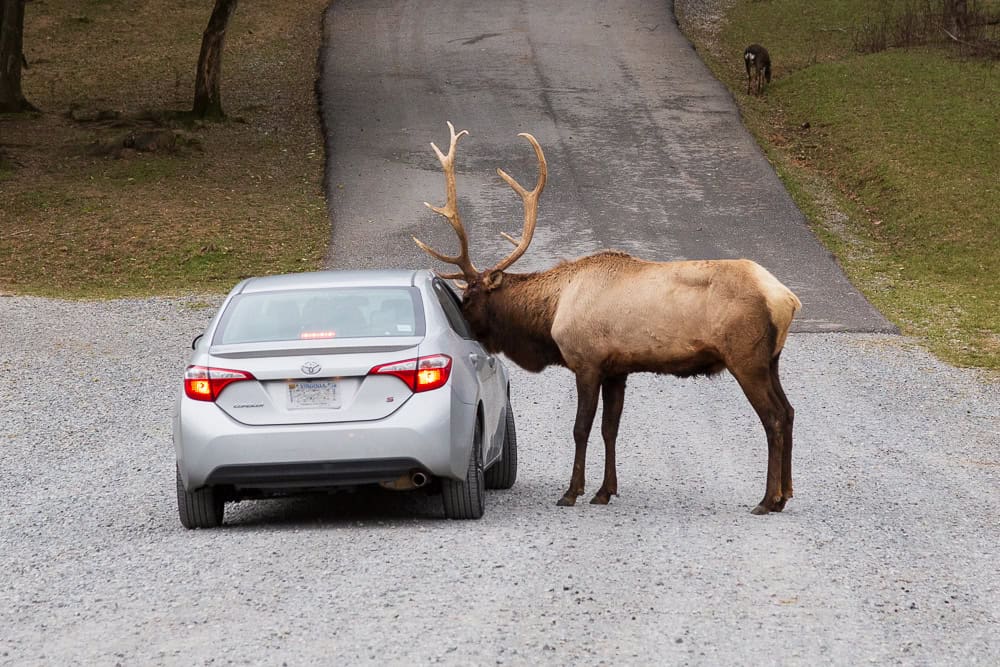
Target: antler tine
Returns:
[530, 200]
[450, 211]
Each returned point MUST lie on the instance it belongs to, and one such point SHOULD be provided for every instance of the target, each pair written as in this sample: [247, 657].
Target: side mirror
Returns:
[194, 343]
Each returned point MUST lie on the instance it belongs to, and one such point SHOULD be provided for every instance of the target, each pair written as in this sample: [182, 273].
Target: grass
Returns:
[894, 157]
[238, 198]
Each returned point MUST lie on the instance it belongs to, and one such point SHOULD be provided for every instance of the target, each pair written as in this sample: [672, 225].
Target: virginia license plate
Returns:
[303, 395]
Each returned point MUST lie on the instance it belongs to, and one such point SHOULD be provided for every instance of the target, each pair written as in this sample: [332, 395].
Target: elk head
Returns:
[478, 284]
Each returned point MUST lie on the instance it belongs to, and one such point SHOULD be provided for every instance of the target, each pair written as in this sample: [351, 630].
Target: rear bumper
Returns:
[313, 474]
[432, 431]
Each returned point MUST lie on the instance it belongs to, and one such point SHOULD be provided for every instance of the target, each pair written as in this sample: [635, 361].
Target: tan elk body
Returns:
[609, 314]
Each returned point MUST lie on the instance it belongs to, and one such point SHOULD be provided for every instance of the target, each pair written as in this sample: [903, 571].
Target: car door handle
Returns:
[493, 362]
[476, 359]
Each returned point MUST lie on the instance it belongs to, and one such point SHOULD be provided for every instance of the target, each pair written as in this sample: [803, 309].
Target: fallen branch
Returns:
[960, 41]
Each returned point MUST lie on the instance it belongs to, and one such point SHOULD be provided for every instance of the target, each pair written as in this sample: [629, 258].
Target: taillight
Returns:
[205, 384]
[423, 374]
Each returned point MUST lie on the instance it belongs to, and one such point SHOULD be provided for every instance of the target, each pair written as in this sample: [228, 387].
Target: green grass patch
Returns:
[109, 240]
[147, 169]
[6, 168]
[894, 157]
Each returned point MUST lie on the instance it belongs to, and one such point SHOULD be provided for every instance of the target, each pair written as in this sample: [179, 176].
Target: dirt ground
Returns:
[109, 191]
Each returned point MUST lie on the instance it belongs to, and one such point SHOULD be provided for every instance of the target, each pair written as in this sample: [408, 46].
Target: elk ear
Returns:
[491, 281]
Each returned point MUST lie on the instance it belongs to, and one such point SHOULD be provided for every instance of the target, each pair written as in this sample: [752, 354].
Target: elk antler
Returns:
[530, 205]
[450, 211]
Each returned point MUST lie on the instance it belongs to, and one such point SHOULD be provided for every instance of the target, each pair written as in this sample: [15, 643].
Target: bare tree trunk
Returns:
[12, 57]
[960, 16]
[207, 95]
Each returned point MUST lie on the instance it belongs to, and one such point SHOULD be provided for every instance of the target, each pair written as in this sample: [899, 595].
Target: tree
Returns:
[12, 57]
[207, 96]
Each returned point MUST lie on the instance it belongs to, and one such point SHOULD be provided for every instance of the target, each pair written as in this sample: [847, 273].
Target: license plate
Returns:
[303, 395]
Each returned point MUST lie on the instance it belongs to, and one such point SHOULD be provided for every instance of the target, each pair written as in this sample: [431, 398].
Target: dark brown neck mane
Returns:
[516, 317]
[520, 313]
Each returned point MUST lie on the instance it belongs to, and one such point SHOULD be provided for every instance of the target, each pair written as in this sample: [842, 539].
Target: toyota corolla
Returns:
[317, 381]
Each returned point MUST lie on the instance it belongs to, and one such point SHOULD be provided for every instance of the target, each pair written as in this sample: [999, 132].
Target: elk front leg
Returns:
[587, 387]
[613, 395]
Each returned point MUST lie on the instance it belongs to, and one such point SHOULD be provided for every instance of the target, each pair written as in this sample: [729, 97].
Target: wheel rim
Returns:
[478, 449]
[477, 453]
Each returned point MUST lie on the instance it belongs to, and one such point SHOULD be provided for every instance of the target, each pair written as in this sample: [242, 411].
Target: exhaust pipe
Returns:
[408, 481]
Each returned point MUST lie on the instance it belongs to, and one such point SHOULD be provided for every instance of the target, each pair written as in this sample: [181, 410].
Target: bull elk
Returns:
[609, 314]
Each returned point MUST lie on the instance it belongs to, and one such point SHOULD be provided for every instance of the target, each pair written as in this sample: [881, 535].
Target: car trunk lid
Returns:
[310, 382]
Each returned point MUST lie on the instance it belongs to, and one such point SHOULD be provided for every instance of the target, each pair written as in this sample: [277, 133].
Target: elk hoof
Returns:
[767, 506]
[566, 501]
[602, 498]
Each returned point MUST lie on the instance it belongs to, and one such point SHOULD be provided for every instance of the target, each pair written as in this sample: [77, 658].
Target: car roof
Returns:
[320, 279]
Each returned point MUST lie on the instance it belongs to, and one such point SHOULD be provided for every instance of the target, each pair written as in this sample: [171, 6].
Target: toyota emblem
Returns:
[311, 368]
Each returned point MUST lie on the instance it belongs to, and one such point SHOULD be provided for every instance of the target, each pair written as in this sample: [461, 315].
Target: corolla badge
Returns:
[311, 368]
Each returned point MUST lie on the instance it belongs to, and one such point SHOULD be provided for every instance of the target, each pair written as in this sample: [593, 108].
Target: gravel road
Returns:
[888, 554]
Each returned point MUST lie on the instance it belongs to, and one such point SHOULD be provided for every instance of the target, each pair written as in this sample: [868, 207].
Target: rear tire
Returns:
[466, 499]
[503, 473]
[203, 508]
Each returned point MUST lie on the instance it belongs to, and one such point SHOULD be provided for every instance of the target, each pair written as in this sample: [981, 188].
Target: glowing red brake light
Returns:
[205, 384]
[423, 374]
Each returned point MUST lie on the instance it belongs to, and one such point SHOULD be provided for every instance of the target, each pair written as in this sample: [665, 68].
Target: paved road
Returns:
[646, 149]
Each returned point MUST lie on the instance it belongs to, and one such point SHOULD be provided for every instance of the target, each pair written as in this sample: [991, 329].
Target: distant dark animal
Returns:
[758, 62]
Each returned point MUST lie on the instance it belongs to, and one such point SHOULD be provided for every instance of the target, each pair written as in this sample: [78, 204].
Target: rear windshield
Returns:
[356, 312]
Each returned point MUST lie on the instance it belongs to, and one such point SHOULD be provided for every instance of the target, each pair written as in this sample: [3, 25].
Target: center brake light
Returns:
[422, 374]
[205, 384]
[317, 335]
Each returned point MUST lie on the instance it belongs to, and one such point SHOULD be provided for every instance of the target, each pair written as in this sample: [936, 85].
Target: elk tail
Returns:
[781, 303]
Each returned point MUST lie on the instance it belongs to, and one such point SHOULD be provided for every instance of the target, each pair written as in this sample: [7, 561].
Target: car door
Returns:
[486, 368]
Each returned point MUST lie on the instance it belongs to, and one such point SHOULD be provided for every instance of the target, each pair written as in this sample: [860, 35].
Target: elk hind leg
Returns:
[613, 396]
[587, 387]
[789, 418]
[757, 385]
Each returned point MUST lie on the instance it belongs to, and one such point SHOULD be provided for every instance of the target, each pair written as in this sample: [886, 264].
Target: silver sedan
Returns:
[313, 381]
